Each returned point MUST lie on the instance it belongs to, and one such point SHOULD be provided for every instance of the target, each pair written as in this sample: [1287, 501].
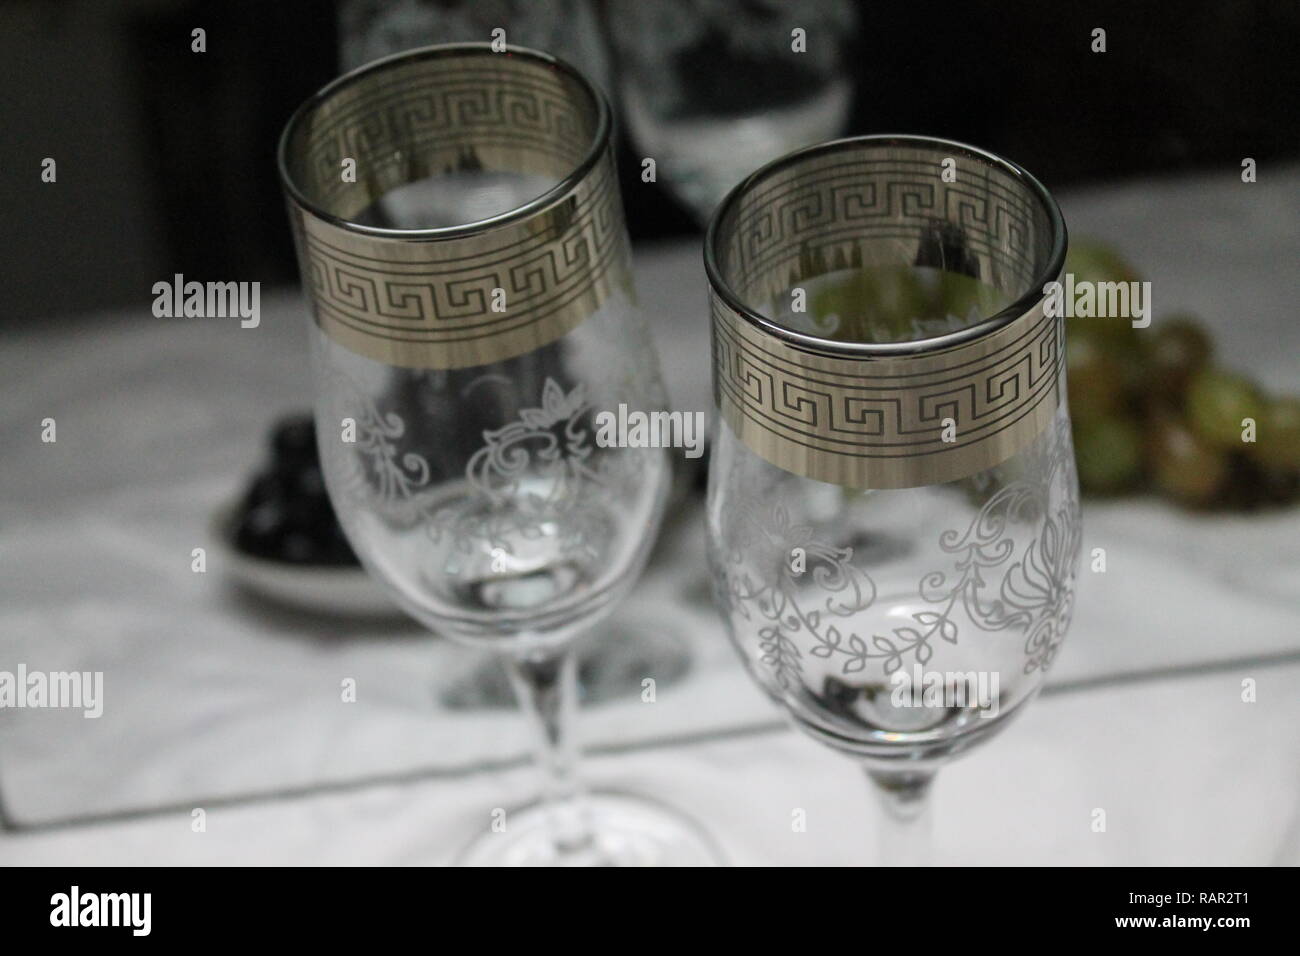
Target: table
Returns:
[160, 420]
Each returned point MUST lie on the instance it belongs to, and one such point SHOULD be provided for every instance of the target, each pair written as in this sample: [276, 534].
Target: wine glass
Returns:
[370, 29]
[462, 365]
[893, 514]
[613, 660]
[712, 89]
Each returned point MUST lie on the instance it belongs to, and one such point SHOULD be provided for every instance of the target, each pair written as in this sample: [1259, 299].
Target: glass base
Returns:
[625, 830]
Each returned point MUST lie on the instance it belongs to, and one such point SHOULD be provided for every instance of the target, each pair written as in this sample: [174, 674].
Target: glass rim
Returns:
[937, 343]
[556, 193]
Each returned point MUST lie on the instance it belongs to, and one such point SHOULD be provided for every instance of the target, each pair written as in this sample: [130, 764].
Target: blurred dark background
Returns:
[165, 156]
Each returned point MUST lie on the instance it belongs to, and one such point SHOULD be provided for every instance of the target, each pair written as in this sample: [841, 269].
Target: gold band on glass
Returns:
[895, 415]
[468, 295]
[879, 422]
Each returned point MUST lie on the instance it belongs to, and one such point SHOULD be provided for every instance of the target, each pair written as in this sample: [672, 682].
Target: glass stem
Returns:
[547, 687]
[905, 826]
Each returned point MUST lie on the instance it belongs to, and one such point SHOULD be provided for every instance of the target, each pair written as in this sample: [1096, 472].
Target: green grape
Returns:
[1095, 263]
[1094, 379]
[1183, 466]
[873, 305]
[1179, 347]
[1277, 436]
[951, 294]
[1109, 454]
[1217, 402]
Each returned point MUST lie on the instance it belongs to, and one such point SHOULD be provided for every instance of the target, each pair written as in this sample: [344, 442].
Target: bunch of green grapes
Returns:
[1152, 410]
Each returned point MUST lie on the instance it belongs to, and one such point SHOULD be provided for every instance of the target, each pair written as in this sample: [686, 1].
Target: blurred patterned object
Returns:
[370, 29]
[713, 89]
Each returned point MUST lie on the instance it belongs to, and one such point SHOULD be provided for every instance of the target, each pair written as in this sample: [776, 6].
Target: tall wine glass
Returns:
[893, 511]
[461, 364]
[615, 658]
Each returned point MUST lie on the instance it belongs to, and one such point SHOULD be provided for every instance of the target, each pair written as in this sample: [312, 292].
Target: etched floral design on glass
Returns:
[893, 513]
[462, 346]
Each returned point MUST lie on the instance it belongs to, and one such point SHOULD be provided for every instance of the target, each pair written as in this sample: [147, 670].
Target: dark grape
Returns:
[298, 547]
[258, 528]
[268, 486]
[286, 514]
[293, 439]
[307, 481]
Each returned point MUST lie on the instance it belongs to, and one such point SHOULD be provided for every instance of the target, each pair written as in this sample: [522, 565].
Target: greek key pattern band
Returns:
[850, 209]
[475, 297]
[880, 422]
[469, 302]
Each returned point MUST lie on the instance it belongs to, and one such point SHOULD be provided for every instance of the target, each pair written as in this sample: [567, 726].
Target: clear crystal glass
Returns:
[460, 362]
[713, 90]
[899, 620]
[370, 29]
